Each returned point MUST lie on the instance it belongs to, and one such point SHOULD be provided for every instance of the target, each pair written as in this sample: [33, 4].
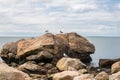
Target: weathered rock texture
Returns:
[55, 57]
[115, 76]
[42, 48]
[80, 47]
[115, 67]
[9, 73]
[102, 76]
[70, 63]
[38, 56]
[48, 47]
[65, 75]
[107, 63]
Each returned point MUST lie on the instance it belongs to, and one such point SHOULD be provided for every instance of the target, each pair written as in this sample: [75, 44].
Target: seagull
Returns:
[61, 32]
[46, 31]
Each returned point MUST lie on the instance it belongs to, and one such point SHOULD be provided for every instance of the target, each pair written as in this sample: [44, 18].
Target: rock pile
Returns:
[51, 57]
[40, 55]
[48, 48]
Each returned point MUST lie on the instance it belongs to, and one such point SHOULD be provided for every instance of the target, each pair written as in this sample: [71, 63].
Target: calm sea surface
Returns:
[106, 47]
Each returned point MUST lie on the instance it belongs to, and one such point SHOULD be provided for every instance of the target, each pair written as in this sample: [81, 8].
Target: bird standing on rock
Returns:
[61, 32]
[46, 31]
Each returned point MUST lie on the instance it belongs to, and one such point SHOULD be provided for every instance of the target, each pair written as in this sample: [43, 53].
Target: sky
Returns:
[34, 17]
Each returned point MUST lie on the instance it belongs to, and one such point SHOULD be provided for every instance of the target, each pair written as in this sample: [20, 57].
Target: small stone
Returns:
[13, 64]
[84, 77]
[102, 76]
[53, 70]
[67, 63]
[82, 71]
[41, 63]
[65, 75]
[48, 66]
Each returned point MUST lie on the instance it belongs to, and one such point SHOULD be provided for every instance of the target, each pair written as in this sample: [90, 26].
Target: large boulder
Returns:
[102, 76]
[9, 73]
[115, 67]
[65, 75]
[107, 63]
[80, 47]
[48, 42]
[68, 63]
[34, 45]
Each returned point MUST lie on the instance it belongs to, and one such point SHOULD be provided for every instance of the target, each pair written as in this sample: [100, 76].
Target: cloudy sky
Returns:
[33, 17]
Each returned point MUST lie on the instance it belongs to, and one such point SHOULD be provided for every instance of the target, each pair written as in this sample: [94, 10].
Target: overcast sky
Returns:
[33, 17]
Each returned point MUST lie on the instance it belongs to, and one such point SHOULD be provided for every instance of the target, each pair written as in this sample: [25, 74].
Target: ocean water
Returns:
[106, 47]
